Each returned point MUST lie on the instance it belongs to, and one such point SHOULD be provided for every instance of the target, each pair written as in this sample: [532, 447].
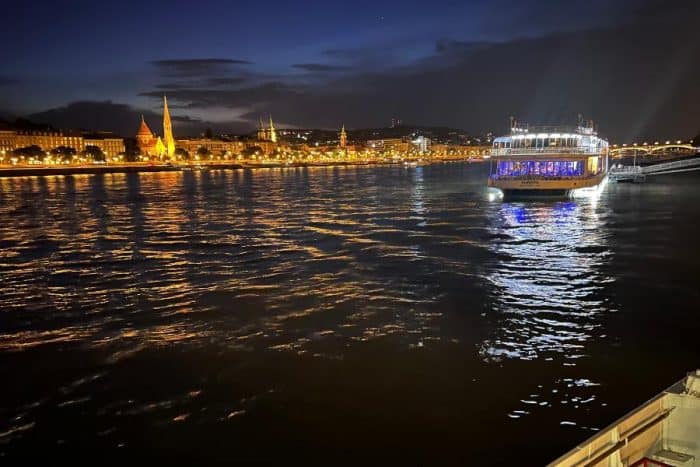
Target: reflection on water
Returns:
[548, 300]
[237, 310]
[547, 294]
[248, 259]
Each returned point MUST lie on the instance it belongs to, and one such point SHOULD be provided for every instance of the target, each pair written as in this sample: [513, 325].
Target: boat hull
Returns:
[542, 187]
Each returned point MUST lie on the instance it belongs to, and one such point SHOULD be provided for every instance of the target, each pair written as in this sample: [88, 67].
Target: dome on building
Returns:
[145, 139]
[144, 130]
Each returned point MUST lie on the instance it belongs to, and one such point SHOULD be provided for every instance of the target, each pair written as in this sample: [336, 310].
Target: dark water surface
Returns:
[335, 315]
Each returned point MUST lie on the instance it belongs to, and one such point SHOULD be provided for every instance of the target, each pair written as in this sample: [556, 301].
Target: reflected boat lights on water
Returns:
[494, 194]
[547, 301]
[592, 193]
[545, 298]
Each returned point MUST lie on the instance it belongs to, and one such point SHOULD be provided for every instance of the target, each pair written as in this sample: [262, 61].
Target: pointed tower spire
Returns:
[273, 133]
[343, 137]
[160, 148]
[168, 129]
[261, 130]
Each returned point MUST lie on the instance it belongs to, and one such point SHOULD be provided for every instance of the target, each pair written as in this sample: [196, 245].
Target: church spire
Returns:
[273, 133]
[261, 130]
[343, 137]
[168, 129]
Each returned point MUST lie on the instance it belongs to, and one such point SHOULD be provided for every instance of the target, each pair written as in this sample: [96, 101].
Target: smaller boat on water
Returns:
[663, 432]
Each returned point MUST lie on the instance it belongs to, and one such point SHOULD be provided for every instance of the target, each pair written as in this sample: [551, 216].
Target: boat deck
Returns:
[664, 431]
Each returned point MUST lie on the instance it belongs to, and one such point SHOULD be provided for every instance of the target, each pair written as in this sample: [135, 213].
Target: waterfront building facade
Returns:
[388, 145]
[48, 140]
[421, 144]
[8, 141]
[109, 146]
[215, 147]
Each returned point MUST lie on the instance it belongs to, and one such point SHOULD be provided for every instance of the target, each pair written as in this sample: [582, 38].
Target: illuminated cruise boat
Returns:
[549, 161]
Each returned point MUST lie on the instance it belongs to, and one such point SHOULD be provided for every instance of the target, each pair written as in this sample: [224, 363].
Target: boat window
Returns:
[540, 168]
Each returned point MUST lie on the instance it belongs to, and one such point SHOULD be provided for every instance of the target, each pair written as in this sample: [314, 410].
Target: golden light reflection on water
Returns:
[295, 259]
[182, 286]
[142, 259]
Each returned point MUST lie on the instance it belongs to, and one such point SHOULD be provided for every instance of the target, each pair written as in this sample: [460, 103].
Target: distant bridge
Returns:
[649, 149]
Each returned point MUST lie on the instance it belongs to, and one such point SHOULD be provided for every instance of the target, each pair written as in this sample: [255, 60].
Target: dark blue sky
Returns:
[629, 64]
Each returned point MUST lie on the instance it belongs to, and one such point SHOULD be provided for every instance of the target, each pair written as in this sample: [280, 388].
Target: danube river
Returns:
[335, 315]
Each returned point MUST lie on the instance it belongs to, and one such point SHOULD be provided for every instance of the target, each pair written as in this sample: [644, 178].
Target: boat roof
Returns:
[548, 131]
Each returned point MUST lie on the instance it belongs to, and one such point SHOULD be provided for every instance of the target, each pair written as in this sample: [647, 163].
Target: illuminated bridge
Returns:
[653, 149]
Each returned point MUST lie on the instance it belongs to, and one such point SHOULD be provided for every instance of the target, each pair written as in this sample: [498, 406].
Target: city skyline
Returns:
[363, 66]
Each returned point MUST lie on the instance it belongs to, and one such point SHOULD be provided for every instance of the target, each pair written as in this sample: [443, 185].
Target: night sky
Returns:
[631, 66]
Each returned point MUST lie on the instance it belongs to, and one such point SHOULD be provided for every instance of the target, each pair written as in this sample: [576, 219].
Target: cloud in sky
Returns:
[634, 73]
[319, 67]
[196, 66]
[122, 119]
[477, 86]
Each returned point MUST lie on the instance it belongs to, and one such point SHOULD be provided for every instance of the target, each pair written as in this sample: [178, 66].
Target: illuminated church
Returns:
[267, 134]
[151, 145]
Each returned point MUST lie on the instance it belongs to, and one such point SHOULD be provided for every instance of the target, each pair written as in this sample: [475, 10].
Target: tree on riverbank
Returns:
[94, 153]
[250, 151]
[181, 153]
[203, 152]
[30, 151]
[64, 153]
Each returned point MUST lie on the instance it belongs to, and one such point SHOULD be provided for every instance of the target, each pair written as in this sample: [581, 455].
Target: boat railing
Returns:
[533, 129]
[626, 169]
[537, 151]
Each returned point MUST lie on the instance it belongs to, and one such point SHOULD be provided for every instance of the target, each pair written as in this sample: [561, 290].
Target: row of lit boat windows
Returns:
[540, 168]
[538, 143]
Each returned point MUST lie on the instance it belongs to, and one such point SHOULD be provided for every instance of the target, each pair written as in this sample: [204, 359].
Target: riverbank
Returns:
[24, 171]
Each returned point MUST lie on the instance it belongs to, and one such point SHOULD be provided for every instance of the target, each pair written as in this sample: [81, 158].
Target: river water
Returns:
[335, 315]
